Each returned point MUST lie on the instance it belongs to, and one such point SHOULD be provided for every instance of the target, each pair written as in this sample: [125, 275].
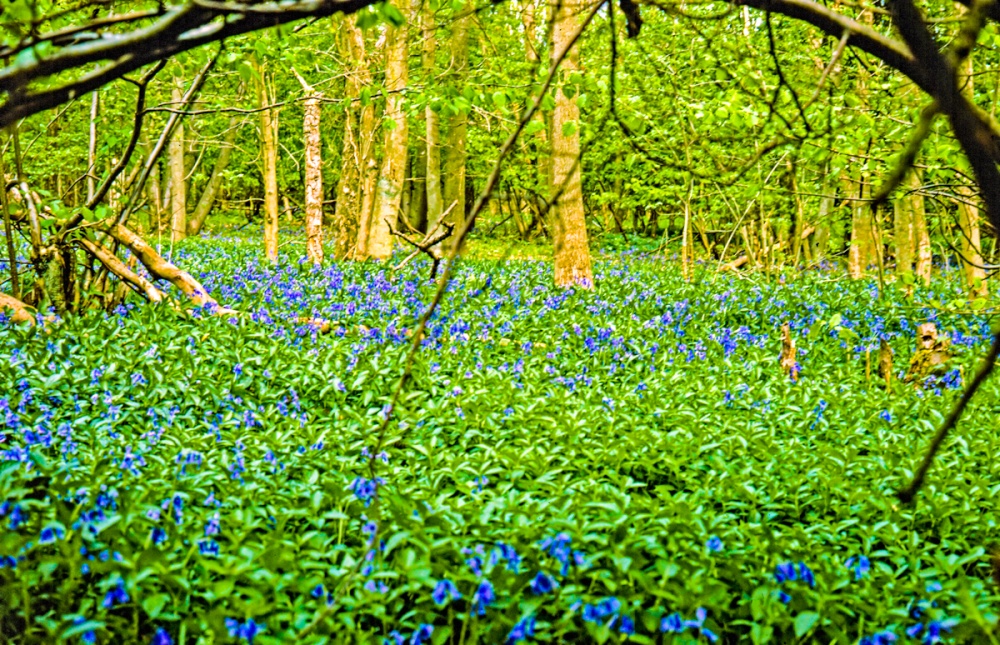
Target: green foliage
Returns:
[630, 425]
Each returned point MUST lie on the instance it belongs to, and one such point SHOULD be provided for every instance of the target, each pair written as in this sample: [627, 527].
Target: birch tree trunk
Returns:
[393, 172]
[314, 173]
[269, 160]
[455, 147]
[178, 201]
[571, 251]
[903, 236]
[211, 190]
[432, 124]
[921, 236]
[347, 210]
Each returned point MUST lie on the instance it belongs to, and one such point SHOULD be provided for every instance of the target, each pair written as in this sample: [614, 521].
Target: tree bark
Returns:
[117, 267]
[161, 268]
[393, 172]
[903, 236]
[269, 158]
[861, 252]
[432, 124]
[921, 236]
[346, 214]
[571, 252]
[178, 201]
[455, 146]
[211, 190]
[21, 313]
[95, 106]
[314, 173]
[970, 243]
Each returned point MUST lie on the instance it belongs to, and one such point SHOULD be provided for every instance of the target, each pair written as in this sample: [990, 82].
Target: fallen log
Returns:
[20, 312]
[119, 268]
[162, 269]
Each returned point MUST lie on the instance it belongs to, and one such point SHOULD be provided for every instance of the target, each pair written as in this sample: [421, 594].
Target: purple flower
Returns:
[422, 634]
[483, 597]
[445, 591]
[784, 572]
[672, 624]
[115, 596]
[161, 637]
[522, 630]
[542, 583]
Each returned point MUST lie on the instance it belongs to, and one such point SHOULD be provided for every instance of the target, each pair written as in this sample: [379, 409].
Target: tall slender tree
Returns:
[269, 158]
[571, 252]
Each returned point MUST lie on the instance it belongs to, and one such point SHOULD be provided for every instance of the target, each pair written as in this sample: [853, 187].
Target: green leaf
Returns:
[569, 128]
[804, 622]
[499, 99]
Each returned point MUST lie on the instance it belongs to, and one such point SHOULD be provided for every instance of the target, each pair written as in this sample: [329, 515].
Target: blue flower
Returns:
[208, 547]
[422, 634]
[672, 624]
[445, 591]
[522, 630]
[50, 535]
[161, 637]
[246, 631]
[861, 566]
[158, 535]
[542, 583]
[784, 597]
[806, 574]
[318, 591]
[483, 597]
[714, 544]
[627, 626]
[115, 596]
[784, 572]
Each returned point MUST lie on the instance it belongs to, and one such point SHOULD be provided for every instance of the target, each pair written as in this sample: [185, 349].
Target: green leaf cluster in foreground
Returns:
[578, 465]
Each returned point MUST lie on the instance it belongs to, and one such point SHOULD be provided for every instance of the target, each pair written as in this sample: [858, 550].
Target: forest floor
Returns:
[608, 465]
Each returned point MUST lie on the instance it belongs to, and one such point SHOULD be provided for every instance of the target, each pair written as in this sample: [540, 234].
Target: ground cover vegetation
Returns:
[612, 465]
[427, 322]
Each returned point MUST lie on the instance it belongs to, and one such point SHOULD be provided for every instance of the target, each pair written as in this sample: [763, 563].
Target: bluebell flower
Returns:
[318, 591]
[158, 535]
[784, 597]
[672, 624]
[394, 638]
[422, 634]
[245, 631]
[627, 626]
[784, 572]
[522, 630]
[714, 544]
[115, 596]
[886, 416]
[483, 597]
[208, 547]
[861, 566]
[50, 535]
[933, 587]
[161, 637]
[444, 591]
[806, 574]
[542, 583]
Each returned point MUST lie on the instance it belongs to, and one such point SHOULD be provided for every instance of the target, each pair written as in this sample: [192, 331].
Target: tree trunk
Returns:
[903, 236]
[861, 253]
[269, 158]
[432, 124]
[178, 202]
[968, 213]
[211, 190]
[571, 252]
[393, 172]
[347, 211]
[418, 191]
[95, 103]
[314, 173]
[455, 147]
[921, 236]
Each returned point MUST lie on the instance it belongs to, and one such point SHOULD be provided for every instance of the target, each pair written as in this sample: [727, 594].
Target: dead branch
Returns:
[21, 312]
[138, 283]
